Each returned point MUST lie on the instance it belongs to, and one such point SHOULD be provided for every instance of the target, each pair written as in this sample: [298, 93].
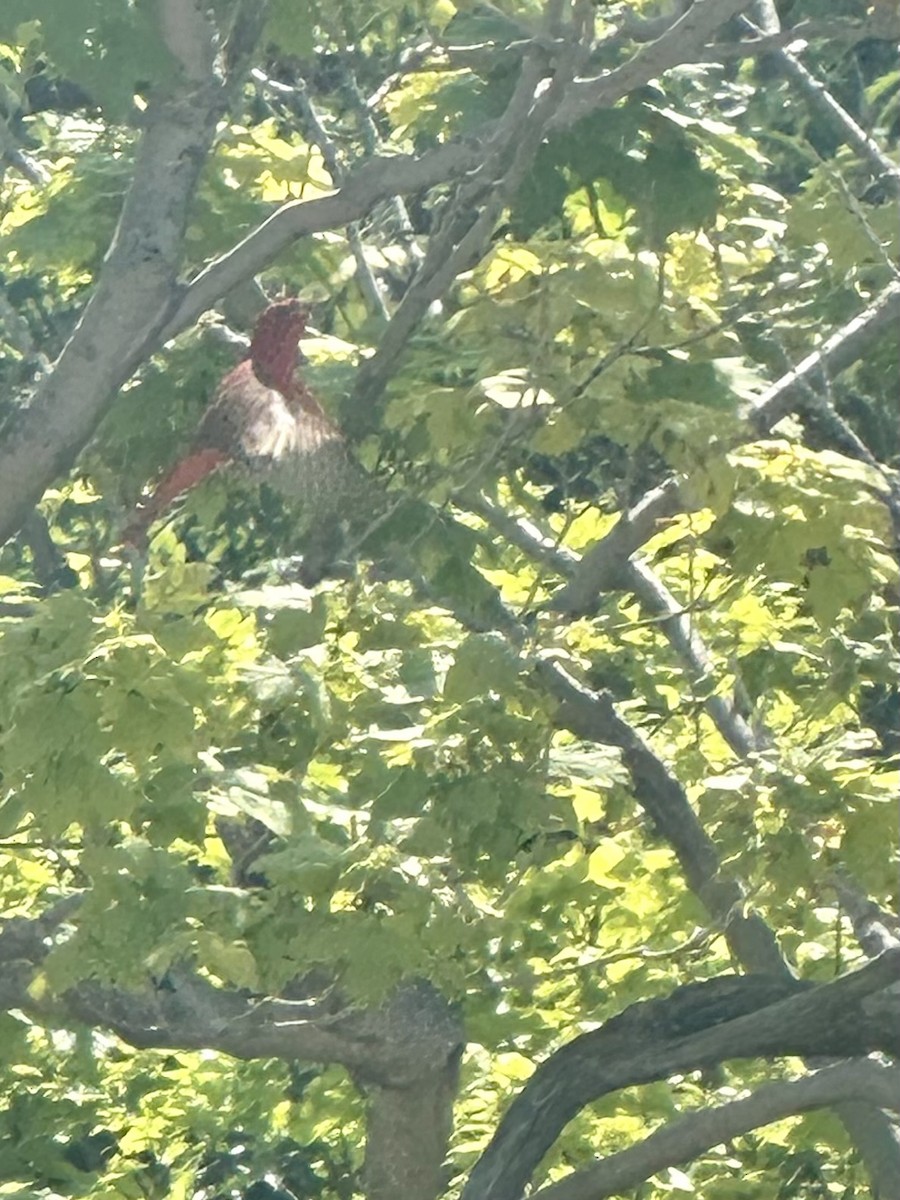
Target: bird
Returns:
[262, 418]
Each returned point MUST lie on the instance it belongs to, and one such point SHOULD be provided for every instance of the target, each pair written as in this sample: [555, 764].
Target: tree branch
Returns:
[375, 180]
[697, 1026]
[601, 566]
[884, 168]
[133, 298]
[655, 598]
[135, 306]
[404, 1055]
[692, 1135]
[680, 43]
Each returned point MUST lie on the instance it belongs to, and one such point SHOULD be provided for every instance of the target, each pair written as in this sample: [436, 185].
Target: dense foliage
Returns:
[599, 697]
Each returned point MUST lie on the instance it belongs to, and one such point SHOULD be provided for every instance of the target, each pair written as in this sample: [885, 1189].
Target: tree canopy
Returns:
[543, 840]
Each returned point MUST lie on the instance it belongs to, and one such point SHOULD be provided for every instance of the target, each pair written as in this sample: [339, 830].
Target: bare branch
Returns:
[821, 98]
[680, 43]
[465, 232]
[876, 929]
[298, 97]
[36, 173]
[692, 1135]
[845, 33]
[653, 595]
[697, 1026]
[602, 564]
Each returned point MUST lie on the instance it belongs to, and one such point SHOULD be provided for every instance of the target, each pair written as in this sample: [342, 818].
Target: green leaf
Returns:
[405, 795]
[482, 664]
[231, 962]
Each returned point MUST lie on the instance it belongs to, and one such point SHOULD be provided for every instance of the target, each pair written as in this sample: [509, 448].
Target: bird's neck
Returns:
[274, 365]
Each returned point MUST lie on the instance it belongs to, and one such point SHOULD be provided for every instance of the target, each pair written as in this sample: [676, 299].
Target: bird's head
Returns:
[273, 347]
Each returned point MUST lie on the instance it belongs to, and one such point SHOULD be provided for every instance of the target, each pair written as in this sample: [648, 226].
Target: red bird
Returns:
[261, 416]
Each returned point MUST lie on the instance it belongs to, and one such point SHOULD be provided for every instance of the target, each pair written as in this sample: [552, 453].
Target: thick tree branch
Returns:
[875, 929]
[681, 42]
[697, 1026]
[404, 1056]
[186, 1012]
[134, 294]
[697, 1133]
